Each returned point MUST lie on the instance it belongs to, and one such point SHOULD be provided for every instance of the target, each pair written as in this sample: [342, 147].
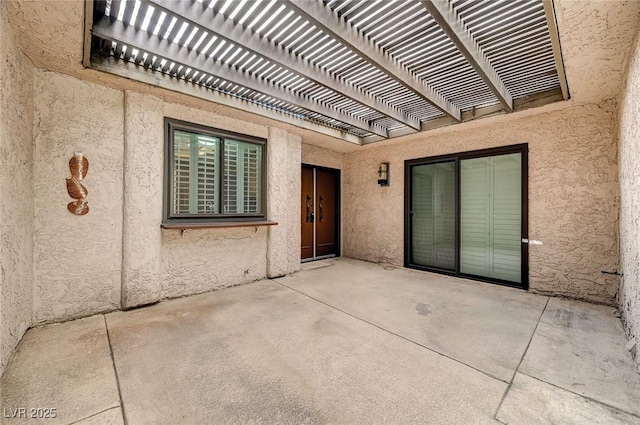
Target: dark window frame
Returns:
[523, 149]
[170, 126]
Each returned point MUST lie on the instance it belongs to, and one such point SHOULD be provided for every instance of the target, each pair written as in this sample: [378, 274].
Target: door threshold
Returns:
[323, 257]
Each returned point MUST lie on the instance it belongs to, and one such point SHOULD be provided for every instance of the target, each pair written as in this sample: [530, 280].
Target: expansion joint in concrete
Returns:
[583, 396]
[392, 333]
[524, 353]
[94, 415]
[115, 372]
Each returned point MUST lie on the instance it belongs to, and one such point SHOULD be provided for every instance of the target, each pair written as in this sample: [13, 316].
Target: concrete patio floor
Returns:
[342, 342]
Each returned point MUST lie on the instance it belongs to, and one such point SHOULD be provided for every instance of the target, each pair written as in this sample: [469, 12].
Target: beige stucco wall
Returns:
[16, 196]
[595, 36]
[573, 195]
[77, 259]
[141, 235]
[284, 153]
[629, 151]
[315, 155]
[117, 255]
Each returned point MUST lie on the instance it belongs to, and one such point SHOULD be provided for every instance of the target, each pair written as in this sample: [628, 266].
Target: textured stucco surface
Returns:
[77, 259]
[16, 196]
[142, 213]
[596, 36]
[315, 155]
[118, 255]
[201, 260]
[283, 187]
[629, 151]
[573, 196]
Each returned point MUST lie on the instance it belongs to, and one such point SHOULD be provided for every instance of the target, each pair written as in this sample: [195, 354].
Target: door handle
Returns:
[321, 209]
[309, 212]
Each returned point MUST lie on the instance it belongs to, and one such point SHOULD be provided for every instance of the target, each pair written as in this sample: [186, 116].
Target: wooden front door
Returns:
[320, 207]
[308, 212]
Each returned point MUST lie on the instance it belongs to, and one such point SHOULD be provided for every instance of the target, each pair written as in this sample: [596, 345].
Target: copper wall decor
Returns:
[79, 165]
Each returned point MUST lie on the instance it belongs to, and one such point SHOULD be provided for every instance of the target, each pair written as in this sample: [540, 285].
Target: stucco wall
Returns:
[142, 213]
[77, 259]
[315, 155]
[629, 151]
[284, 188]
[203, 259]
[117, 255]
[573, 195]
[16, 197]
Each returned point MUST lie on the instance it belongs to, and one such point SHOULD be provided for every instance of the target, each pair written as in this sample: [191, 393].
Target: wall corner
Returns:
[284, 153]
[143, 196]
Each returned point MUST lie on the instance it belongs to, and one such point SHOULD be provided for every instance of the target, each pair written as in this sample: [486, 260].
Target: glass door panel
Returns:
[491, 217]
[432, 214]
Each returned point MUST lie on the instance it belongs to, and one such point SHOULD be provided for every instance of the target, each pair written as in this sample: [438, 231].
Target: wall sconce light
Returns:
[383, 174]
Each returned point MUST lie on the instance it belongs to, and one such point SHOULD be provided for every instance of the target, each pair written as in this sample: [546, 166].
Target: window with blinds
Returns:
[465, 214]
[242, 171]
[213, 174]
[433, 215]
[490, 217]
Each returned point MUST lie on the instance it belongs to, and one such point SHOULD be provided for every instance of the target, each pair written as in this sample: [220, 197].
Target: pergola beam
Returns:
[550, 13]
[118, 32]
[531, 101]
[207, 20]
[118, 67]
[444, 15]
[324, 18]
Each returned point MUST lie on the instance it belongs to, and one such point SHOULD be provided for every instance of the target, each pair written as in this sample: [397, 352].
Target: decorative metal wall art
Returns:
[79, 165]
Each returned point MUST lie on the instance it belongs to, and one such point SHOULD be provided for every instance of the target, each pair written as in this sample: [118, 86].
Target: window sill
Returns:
[218, 225]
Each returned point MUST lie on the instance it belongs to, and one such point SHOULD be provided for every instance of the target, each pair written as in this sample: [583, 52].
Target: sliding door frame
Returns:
[523, 150]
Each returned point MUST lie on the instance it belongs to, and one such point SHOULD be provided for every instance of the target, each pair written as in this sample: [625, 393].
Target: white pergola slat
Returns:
[206, 19]
[455, 28]
[364, 70]
[324, 18]
[128, 35]
[555, 41]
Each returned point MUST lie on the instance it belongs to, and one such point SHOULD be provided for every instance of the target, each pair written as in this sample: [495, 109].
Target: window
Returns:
[213, 175]
[466, 214]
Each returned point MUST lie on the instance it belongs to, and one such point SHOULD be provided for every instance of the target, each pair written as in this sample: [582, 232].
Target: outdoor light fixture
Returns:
[383, 174]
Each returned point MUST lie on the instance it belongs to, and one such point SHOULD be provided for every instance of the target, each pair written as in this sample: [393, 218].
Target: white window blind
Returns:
[208, 176]
[490, 217]
[232, 172]
[433, 240]
[196, 178]
[208, 182]
[243, 174]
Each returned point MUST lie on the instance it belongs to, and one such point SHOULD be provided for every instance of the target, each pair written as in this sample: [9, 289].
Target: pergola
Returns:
[359, 70]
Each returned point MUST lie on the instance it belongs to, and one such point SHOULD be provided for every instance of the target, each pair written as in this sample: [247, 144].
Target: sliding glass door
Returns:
[466, 215]
[432, 211]
[491, 217]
